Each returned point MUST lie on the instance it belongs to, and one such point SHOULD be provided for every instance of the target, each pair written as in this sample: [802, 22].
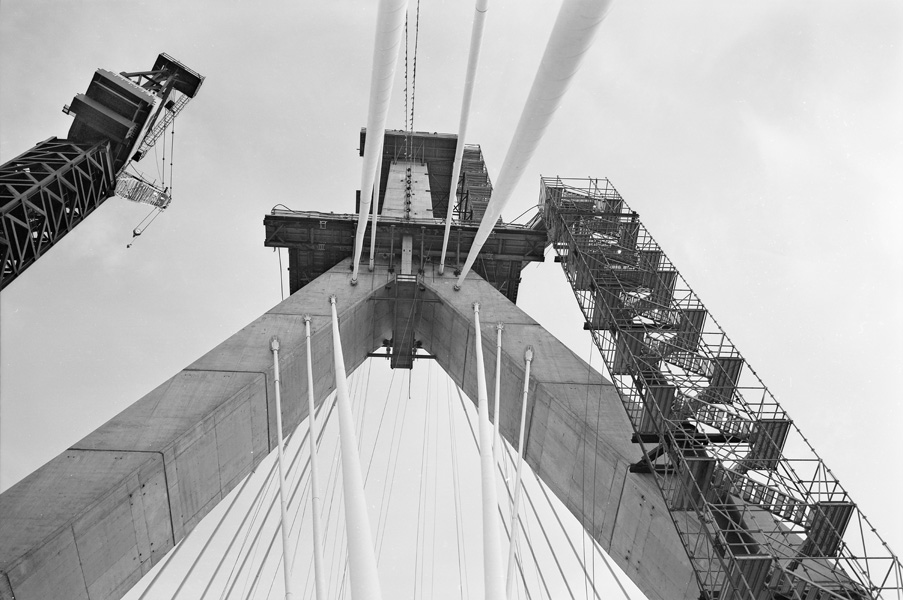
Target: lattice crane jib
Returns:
[49, 189]
[769, 520]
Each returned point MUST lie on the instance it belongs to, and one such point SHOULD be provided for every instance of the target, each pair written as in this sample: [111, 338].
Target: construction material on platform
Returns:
[135, 189]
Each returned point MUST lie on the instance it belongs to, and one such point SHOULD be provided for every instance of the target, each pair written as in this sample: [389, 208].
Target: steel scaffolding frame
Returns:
[759, 513]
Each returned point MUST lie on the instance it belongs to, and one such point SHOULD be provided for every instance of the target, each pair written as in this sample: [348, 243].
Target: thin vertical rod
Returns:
[389, 29]
[496, 440]
[571, 37]
[422, 254]
[391, 248]
[476, 41]
[375, 218]
[492, 552]
[283, 521]
[509, 585]
[361, 559]
[315, 500]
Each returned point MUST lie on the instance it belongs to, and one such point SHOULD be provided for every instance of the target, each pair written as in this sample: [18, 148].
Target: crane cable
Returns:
[414, 73]
[406, 85]
[138, 230]
[172, 153]
[409, 122]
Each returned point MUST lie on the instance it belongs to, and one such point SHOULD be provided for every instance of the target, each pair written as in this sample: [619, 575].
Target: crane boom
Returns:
[51, 188]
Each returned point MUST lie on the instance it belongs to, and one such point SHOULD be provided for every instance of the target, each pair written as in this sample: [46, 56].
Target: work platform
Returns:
[318, 241]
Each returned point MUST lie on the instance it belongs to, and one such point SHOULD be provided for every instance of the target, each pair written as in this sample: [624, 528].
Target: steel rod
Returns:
[496, 440]
[283, 521]
[315, 500]
[515, 506]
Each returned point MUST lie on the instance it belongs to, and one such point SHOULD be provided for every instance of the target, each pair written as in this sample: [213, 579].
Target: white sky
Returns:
[762, 144]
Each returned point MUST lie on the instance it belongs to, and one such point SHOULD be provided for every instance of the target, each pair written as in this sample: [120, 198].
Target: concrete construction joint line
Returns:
[172, 526]
[266, 387]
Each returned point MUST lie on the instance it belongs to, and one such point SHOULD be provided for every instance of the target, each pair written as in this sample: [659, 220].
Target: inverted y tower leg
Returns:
[152, 472]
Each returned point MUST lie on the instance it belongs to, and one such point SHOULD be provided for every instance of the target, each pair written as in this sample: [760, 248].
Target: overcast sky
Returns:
[761, 143]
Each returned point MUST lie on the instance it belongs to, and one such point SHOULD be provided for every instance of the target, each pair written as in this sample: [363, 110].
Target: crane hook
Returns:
[135, 233]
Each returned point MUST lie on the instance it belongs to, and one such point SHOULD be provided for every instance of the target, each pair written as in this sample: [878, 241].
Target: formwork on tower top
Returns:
[317, 241]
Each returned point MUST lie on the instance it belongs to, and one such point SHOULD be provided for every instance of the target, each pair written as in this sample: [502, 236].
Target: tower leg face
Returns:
[141, 482]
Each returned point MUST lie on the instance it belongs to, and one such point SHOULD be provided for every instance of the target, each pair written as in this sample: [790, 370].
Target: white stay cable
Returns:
[389, 31]
[494, 586]
[496, 439]
[572, 35]
[375, 216]
[509, 589]
[361, 559]
[283, 525]
[315, 499]
[473, 57]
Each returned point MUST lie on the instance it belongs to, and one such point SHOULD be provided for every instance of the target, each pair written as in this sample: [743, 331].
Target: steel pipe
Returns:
[283, 521]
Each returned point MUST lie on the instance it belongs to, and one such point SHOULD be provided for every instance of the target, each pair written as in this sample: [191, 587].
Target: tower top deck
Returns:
[318, 241]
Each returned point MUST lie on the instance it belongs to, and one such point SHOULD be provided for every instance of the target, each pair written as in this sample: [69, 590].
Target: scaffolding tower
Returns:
[759, 513]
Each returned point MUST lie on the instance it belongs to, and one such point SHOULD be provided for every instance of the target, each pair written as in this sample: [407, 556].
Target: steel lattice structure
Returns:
[44, 193]
[50, 189]
[759, 513]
